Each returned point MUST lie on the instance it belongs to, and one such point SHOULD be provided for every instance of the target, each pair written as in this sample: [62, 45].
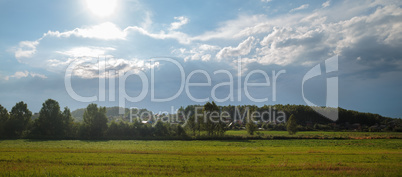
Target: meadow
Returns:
[360, 156]
[317, 135]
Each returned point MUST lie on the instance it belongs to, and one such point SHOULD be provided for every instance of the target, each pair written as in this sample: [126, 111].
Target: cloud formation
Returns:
[307, 39]
[326, 4]
[202, 52]
[104, 31]
[366, 35]
[304, 6]
[26, 49]
[22, 74]
[242, 49]
[182, 20]
[86, 51]
[109, 67]
[292, 39]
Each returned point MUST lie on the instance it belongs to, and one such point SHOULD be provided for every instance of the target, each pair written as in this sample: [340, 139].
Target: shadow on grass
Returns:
[226, 138]
[54, 139]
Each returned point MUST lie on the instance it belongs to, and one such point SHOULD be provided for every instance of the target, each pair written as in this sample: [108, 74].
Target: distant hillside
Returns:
[78, 114]
[305, 114]
[111, 113]
[306, 117]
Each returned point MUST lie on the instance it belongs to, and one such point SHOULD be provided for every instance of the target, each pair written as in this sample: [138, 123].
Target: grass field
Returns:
[305, 157]
[320, 134]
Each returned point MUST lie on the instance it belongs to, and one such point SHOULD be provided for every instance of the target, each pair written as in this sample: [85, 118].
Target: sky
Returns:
[161, 55]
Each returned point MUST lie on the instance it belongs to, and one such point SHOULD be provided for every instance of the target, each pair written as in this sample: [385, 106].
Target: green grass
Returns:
[320, 134]
[366, 157]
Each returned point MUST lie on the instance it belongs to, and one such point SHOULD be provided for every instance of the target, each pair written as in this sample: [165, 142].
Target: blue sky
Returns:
[41, 39]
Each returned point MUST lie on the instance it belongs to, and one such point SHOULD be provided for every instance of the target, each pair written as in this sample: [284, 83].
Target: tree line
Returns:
[56, 123]
[305, 119]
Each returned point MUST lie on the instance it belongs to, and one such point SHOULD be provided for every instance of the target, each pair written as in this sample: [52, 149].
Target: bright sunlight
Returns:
[102, 8]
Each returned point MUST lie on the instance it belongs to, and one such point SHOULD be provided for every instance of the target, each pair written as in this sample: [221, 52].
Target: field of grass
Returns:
[361, 157]
[319, 134]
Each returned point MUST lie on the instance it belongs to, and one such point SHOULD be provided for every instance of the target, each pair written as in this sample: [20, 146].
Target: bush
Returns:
[291, 125]
[251, 128]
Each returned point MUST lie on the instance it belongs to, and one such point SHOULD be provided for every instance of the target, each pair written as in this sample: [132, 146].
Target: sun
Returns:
[102, 8]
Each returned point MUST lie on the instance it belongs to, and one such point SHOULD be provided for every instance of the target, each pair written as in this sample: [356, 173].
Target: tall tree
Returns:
[68, 122]
[292, 125]
[95, 120]
[160, 129]
[251, 127]
[213, 124]
[4, 116]
[50, 121]
[20, 119]
[191, 124]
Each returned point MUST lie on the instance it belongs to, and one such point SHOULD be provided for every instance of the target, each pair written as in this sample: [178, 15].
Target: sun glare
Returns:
[102, 8]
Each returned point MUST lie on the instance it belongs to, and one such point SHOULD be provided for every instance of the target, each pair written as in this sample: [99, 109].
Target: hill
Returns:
[111, 112]
[306, 116]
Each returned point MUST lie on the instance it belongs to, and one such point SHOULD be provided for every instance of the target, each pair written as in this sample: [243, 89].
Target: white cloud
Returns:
[179, 36]
[89, 66]
[257, 29]
[202, 52]
[146, 24]
[77, 54]
[302, 39]
[105, 31]
[26, 49]
[91, 69]
[283, 40]
[56, 65]
[206, 47]
[22, 74]
[326, 4]
[285, 45]
[243, 26]
[38, 75]
[182, 20]
[86, 51]
[384, 25]
[243, 48]
[304, 6]
[59, 56]
[313, 38]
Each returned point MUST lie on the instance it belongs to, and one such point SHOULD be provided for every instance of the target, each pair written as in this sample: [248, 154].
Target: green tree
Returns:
[68, 123]
[112, 130]
[95, 120]
[251, 127]
[136, 128]
[160, 129]
[191, 124]
[213, 124]
[20, 120]
[50, 121]
[292, 125]
[180, 132]
[4, 117]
